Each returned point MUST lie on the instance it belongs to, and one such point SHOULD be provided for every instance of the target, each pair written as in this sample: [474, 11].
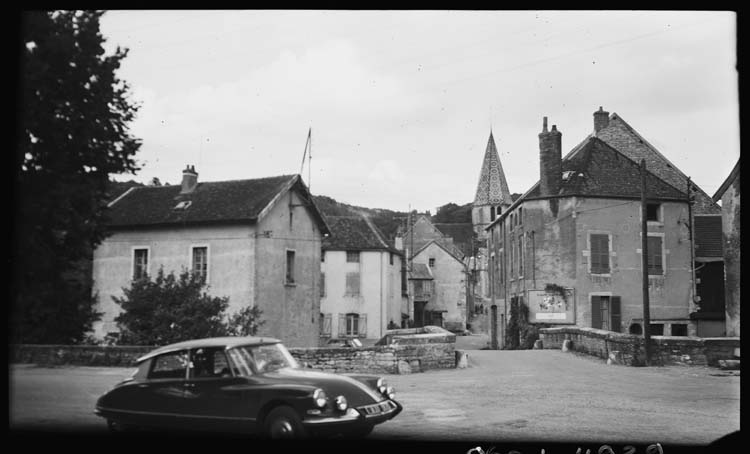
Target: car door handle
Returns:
[143, 385]
[189, 385]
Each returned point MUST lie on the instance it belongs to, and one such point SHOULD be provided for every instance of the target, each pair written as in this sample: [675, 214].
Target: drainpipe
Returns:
[533, 259]
[695, 298]
[382, 257]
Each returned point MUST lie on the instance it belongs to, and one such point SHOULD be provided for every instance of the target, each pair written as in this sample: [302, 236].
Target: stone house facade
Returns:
[729, 194]
[445, 302]
[256, 241]
[569, 248]
[360, 281]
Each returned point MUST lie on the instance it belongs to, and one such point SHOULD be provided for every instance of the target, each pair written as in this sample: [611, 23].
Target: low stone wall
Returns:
[628, 348]
[77, 355]
[406, 353]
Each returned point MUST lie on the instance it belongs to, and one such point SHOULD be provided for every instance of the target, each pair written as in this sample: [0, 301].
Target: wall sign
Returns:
[552, 307]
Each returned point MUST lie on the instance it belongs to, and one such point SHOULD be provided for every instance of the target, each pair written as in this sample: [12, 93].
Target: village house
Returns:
[729, 194]
[570, 247]
[443, 300]
[256, 241]
[360, 281]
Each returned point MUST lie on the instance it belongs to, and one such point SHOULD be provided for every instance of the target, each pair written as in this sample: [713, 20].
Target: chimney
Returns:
[189, 180]
[550, 160]
[601, 119]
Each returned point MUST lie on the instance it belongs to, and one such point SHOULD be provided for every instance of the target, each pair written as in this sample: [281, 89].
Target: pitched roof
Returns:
[420, 271]
[708, 236]
[725, 185]
[453, 252]
[598, 170]
[210, 202]
[492, 188]
[462, 234]
[621, 136]
[354, 233]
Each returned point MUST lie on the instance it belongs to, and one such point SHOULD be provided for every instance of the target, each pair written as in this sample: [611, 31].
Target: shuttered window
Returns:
[606, 313]
[655, 265]
[200, 262]
[599, 253]
[352, 284]
[290, 267]
[352, 325]
[325, 325]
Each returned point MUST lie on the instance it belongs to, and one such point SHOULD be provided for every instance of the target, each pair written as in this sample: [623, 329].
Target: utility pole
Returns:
[644, 265]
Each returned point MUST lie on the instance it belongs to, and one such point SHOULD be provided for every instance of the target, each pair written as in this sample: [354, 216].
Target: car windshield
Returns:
[260, 359]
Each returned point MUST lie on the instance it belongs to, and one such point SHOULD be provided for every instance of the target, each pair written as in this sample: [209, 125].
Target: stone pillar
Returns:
[493, 327]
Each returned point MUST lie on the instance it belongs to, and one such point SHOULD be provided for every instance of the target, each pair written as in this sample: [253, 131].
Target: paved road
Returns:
[537, 395]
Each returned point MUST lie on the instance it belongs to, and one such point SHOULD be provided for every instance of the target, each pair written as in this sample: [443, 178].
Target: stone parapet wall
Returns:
[628, 348]
[408, 355]
[77, 355]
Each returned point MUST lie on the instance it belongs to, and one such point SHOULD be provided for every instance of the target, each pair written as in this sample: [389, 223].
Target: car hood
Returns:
[356, 392]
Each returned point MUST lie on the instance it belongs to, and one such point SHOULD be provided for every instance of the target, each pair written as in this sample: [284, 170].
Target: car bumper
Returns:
[355, 417]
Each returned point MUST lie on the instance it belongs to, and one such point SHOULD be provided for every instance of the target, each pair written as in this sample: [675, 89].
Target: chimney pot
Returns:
[544, 124]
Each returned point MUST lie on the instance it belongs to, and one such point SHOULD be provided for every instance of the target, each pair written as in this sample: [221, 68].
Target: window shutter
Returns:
[615, 314]
[352, 284]
[362, 328]
[596, 312]
[322, 285]
[342, 325]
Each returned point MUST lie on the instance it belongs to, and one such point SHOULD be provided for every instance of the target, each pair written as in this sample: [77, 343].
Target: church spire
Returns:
[492, 188]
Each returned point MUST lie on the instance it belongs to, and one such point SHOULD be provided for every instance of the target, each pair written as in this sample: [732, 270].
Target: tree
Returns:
[169, 309]
[72, 133]
[246, 322]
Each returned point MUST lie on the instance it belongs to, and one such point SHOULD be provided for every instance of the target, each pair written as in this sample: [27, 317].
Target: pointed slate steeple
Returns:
[492, 188]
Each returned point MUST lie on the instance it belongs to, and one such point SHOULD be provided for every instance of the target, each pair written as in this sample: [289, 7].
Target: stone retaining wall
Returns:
[405, 353]
[628, 348]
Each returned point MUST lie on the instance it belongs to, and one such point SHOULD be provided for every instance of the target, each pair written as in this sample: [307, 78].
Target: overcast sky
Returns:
[401, 102]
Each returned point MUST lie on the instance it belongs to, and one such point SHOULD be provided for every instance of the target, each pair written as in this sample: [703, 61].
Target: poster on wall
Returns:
[552, 305]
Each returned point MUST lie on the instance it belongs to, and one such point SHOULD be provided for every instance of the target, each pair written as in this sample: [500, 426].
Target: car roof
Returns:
[226, 342]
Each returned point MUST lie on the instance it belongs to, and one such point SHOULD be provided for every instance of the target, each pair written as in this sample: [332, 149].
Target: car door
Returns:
[164, 389]
[215, 398]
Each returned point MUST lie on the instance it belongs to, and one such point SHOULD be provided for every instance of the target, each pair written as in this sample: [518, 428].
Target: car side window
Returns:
[208, 363]
[169, 365]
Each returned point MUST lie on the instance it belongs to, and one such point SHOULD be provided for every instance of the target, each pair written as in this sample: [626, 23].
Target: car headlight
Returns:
[341, 404]
[381, 385]
[320, 398]
[390, 392]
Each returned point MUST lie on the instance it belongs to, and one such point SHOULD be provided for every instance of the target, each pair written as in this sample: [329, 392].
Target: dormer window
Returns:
[567, 174]
[183, 205]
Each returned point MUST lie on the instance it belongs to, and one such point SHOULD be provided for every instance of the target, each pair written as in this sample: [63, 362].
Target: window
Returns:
[599, 253]
[520, 216]
[390, 258]
[322, 285]
[655, 265]
[208, 363]
[322, 256]
[635, 328]
[679, 329]
[170, 365]
[352, 256]
[656, 329]
[289, 267]
[325, 325]
[605, 312]
[352, 284]
[492, 213]
[432, 262]
[512, 256]
[140, 263]
[352, 325]
[653, 212]
[520, 255]
[291, 219]
[200, 262]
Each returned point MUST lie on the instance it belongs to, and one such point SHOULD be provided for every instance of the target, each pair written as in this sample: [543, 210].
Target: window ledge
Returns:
[290, 284]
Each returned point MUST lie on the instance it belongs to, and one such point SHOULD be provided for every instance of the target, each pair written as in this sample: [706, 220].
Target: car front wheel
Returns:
[283, 422]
